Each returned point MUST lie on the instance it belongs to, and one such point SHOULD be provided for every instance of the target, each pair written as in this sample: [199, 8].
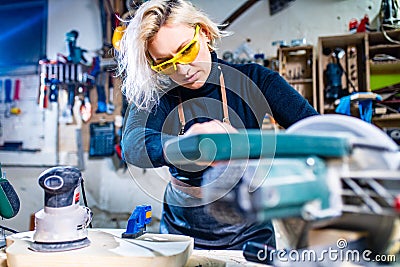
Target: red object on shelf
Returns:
[118, 150]
[353, 25]
[364, 23]
[17, 87]
[397, 203]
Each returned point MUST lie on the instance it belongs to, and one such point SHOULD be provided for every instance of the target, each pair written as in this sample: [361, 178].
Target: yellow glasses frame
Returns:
[185, 56]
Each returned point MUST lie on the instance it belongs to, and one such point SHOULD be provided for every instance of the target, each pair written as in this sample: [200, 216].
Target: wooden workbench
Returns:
[107, 248]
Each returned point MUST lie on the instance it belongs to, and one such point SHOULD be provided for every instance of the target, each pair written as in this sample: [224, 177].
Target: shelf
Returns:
[343, 40]
[384, 46]
[395, 116]
[296, 48]
[366, 74]
[297, 81]
[384, 66]
[378, 38]
[386, 121]
[297, 66]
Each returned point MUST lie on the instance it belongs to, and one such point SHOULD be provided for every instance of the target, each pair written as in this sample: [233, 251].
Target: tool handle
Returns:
[116, 20]
[9, 200]
[7, 89]
[111, 94]
[17, 87]
[61, 186]
[1, 89]
[101, 99]
[43, 96]
[110, 90]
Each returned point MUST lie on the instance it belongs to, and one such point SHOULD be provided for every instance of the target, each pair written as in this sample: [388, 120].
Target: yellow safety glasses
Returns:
[185, 56]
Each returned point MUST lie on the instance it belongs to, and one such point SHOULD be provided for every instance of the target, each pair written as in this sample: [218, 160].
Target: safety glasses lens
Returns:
[168, 68]
[190, 53]
[186, 56]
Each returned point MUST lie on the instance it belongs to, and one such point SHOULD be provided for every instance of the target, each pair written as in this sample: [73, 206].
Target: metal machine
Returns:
[62, 224]
[330, 171]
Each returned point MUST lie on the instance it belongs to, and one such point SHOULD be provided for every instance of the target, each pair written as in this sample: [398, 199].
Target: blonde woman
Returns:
[176, 84]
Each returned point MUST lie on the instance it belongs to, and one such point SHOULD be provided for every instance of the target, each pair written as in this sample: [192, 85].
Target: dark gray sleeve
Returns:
[142, 140]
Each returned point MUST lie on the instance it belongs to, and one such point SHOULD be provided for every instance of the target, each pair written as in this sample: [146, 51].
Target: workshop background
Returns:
[37, 134]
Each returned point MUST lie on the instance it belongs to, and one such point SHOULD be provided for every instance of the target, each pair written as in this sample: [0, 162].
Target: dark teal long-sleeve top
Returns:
[252, 91]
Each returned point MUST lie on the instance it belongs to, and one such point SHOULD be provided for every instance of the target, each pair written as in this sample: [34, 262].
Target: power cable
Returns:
[389, 12]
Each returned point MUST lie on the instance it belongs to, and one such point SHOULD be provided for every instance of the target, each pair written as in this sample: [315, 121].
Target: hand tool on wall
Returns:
[110, 104]
[54, 87]
[15, 110]
[75, 53]
[103, 21]
[44, 72]
[101, 93]
[101, 99]
[86, 107]
[44, 84]
[67, 113]
[95, 68]
[44, 99]
[56, 75]
[70, 103]
[1, 91]
[62, 224]
[1, 134]
[7, 100]
[390, 14]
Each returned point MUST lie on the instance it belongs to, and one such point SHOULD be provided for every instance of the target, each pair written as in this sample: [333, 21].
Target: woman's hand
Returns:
[214, 126]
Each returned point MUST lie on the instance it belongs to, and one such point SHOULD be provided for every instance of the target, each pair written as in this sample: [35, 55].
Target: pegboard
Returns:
[28, 136]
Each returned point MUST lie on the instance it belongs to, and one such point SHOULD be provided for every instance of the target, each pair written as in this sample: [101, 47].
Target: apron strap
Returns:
[224, 100]
[225, 119]
[181, 115]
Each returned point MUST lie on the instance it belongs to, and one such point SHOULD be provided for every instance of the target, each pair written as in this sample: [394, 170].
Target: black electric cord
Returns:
[85, 200]
[387, 36]
[8, 229]
[345, 74]
[390, 9]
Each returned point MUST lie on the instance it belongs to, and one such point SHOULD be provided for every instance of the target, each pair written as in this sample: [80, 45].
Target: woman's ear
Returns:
[207, 37]
[206, 34]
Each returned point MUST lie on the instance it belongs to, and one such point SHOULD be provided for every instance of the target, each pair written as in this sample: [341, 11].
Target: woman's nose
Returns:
[182, 68]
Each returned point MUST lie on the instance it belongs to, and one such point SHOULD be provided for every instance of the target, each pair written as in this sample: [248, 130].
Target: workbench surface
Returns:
[107, 249]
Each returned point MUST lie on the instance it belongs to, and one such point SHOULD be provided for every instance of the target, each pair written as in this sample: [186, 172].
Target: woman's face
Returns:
[169, 40]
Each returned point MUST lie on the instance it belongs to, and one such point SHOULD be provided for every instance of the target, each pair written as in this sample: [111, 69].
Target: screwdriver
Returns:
[7, 100]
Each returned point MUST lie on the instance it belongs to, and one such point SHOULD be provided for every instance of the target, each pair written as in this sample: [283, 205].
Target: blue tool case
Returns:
[102, 138]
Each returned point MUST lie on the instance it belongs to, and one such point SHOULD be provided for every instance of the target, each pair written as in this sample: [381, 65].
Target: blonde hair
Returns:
[140, 84]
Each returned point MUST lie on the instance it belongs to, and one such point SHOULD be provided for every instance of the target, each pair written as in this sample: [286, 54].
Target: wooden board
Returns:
[220, 258]
[106, 249]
